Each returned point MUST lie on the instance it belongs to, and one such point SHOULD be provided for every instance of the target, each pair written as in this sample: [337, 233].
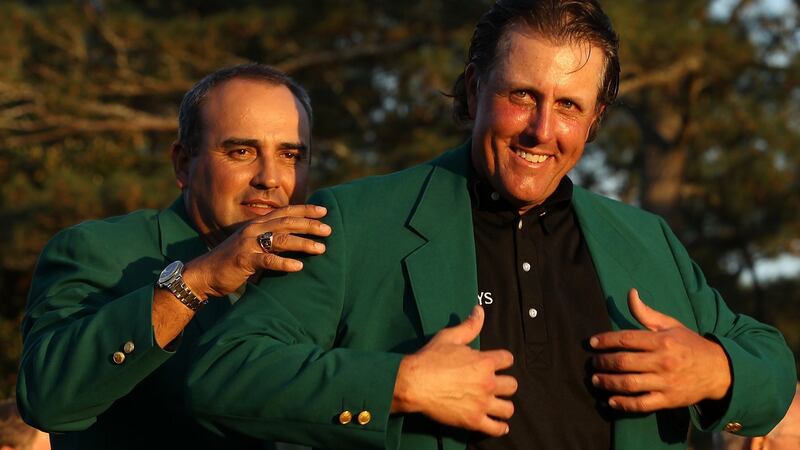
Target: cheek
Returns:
[295, 182]
[508, 119]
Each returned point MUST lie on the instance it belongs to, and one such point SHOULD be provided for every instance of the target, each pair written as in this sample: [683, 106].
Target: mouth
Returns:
[260, 207]
[531, 157]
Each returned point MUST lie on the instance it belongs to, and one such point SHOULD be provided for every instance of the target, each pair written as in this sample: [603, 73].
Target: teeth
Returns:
[530, 157]
[259, 205]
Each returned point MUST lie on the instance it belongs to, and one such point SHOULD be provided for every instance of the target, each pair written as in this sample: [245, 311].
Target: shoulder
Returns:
[399, 188]
[607, 208]
[392, 184]
[377, 194]
[113, 233]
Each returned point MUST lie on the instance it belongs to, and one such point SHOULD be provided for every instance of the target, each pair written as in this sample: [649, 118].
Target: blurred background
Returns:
[706, 131]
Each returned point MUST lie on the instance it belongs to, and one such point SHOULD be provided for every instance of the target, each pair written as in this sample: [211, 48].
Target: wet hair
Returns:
[561, 21]
[190, 121]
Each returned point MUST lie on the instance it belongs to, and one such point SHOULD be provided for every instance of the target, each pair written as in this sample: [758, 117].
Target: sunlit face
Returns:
[253, 156]
[533, 112]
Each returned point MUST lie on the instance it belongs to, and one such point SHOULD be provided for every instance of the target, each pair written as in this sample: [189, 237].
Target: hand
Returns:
[665, 366]
[455, 385]
[228, 265]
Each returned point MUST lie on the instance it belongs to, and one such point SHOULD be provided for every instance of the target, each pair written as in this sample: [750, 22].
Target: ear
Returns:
[472, 84]
[180, 164]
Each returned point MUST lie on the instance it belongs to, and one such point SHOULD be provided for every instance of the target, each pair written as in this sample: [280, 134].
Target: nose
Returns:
[541, 123]
[266, 174]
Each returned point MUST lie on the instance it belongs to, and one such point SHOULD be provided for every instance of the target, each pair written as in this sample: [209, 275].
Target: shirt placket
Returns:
[531, 300]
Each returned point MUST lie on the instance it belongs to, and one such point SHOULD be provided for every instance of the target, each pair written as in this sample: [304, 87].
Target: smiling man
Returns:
[117, 305]
[360, 339]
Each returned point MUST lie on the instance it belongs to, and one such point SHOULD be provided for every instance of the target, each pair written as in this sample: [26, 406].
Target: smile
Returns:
[530, 157]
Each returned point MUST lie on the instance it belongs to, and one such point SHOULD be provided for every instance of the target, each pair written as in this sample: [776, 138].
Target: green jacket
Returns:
[91, 294]
[299, 349]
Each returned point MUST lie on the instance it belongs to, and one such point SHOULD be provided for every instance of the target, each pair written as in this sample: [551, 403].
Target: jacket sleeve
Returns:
[273, 367]
[762, 365]
[75, 321]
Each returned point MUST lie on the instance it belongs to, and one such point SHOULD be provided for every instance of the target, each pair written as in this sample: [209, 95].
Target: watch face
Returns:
[170, 272]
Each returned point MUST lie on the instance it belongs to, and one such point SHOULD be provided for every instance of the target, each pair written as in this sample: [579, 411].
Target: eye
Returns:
[521, 97]
[241, 153]
[292, 155]
[520, 94]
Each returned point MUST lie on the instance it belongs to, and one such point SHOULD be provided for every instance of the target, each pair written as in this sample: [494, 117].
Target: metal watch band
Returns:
[185, 295]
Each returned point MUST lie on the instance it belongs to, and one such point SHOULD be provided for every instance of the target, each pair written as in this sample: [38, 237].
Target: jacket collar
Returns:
[442, 271]
[179, 239]
[616, 251]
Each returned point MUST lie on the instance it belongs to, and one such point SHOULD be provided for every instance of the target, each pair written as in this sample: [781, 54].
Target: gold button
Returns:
[118, 357]
[364, 417]
[733, 427]
[128, 347]
[345, 417]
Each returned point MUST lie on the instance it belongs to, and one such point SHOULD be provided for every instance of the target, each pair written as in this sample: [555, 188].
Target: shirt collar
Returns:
[484, 197]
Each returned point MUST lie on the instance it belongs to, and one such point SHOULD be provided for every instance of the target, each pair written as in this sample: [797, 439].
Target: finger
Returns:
[466, 331]
[503, 359]
[647, 316]
[492, 427]
[290, 243]
[500, 408]
[639, 403]
[641, 362]
[640, 340]
[271, 261]
[629, 383]
[310, 211]
[505, 385]
[289, 224]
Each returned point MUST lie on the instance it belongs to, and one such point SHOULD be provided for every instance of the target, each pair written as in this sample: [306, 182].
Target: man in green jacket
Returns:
[355, 351]
[117, 305]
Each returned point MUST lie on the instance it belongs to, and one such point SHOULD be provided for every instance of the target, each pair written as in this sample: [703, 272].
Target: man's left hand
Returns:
[665, 366]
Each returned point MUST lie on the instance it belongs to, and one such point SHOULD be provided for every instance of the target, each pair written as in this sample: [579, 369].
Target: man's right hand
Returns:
[453, 384]
[229, 265]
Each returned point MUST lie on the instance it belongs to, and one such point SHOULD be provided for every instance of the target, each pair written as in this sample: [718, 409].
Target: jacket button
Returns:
[345, 417]
[128, 347]
[733, 427]
[118, 357]
[364, 417]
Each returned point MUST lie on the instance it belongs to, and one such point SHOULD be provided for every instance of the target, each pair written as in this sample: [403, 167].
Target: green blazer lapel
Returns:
[616, 258]
[617, 255]
[442, 271]
[181, 242]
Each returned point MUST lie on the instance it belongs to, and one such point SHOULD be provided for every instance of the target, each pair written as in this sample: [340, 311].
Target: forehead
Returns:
[248, 107]
[524, 56]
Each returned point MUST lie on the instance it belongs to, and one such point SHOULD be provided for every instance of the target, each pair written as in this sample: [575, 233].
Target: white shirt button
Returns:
[526, 267]
[495, 196]
[533, 312]
[519, 224]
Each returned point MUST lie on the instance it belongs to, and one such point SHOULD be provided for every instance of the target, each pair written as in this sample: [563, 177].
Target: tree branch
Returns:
[307, 60]
[660, 77]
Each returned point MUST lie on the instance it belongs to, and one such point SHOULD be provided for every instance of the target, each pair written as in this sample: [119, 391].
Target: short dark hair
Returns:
[190, 121]
[571, 21]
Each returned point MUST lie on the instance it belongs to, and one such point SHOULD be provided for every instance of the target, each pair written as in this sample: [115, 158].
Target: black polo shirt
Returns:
[543, 301]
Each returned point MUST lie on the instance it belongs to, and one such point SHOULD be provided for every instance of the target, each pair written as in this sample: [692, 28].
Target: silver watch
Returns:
[171, 278]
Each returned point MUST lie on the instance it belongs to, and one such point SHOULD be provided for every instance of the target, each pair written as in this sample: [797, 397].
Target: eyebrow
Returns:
[244, 142]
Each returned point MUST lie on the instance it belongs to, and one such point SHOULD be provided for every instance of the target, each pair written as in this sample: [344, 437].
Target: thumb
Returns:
[466, 331]
[647, 316]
